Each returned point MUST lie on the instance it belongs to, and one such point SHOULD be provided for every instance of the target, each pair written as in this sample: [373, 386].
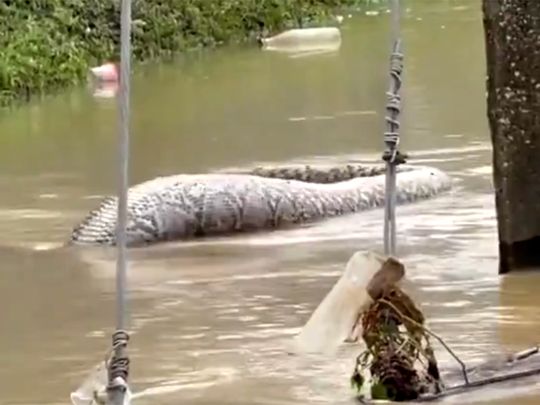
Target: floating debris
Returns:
[399, 357]
[105, 80]
[93, 390]
[304, 40]
[453, 136]
[107, 72]
[399, 363]
[332, 322]
[105, 90]
[356, 112]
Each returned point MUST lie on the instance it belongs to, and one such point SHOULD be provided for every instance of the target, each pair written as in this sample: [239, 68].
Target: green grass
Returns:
[50, 44]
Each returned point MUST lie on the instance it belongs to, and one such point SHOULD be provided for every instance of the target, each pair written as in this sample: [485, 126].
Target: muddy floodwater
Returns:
[211, 319]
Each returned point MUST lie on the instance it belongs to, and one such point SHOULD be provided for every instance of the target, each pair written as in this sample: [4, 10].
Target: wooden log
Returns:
[512, 39]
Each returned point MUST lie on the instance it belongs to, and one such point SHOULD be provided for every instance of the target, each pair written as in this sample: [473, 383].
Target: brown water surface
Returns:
[211, 318]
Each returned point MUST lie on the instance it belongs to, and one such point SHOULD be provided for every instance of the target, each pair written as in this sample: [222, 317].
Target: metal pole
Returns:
[391, 137]
[390, 215]
[123, 157]
[120, 361]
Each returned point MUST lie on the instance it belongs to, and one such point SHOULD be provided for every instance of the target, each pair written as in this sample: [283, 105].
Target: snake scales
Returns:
[195, 205]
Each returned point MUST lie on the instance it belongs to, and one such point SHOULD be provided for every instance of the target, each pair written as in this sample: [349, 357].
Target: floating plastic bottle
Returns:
[333, 320]
[304, 40]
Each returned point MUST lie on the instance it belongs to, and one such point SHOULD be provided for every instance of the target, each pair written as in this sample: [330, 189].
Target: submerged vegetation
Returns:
[396, 343]
[398, 357]
[50, 44]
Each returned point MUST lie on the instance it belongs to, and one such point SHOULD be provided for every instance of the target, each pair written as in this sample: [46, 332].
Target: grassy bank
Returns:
[50, 44]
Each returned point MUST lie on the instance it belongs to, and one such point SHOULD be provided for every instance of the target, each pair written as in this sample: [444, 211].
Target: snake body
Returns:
[195, 205]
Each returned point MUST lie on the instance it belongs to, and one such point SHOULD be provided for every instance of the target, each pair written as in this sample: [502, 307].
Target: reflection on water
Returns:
[212, 319]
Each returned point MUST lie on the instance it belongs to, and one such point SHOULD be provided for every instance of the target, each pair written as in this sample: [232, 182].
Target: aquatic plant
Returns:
[50, 44]
[398, 354]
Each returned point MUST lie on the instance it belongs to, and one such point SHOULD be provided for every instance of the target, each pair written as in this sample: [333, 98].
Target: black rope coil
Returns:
[119, 364]
[393, 109]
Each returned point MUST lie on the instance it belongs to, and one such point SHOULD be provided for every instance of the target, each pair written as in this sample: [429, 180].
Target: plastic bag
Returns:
[333, 320]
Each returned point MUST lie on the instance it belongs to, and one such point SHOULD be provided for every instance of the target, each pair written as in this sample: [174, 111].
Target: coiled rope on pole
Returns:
[391, 155]
[119, 365]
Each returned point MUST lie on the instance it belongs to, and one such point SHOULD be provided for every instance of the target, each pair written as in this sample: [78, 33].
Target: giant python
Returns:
[195, 205]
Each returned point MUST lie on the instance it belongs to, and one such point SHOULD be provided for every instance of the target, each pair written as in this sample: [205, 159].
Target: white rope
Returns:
[118, 370]
[391, 137]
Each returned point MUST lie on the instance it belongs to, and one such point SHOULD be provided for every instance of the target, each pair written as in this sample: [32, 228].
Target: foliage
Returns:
[396, 342]
[48, 44]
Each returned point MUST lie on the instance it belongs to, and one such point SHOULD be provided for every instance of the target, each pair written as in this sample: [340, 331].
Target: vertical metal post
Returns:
[389, 212]
[120, 361]
[123, 158]
[391, 137]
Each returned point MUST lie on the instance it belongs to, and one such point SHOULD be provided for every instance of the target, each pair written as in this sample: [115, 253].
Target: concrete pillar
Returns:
[512, 38]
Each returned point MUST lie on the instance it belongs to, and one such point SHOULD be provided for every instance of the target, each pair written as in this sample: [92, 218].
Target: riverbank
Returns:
[50, 45]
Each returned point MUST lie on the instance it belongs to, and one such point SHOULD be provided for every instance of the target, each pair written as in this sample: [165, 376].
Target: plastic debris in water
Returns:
[333, 321]
[93, 390]
[107, 72]
[105, 90]
[304, 40]
[106, 78]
